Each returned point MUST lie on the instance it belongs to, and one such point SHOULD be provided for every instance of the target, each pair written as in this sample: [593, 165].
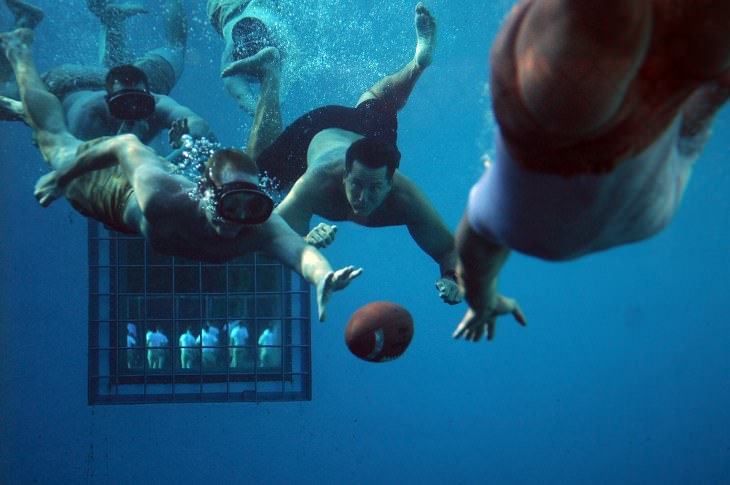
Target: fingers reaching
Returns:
[476, 323]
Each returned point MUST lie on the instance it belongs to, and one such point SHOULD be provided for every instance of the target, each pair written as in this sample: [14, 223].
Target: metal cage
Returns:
[169, 329]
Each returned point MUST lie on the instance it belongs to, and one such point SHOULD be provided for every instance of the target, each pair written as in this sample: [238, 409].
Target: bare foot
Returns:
[26, 15]
[425, 35]
[16, 40]
[11, 109]
[266, 61]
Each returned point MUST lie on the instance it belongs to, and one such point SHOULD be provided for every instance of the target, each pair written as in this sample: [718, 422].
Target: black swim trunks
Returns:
[286, 159]
[250, 35]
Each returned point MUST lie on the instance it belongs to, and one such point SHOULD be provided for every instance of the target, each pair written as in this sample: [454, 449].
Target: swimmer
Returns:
[125, 185]
[131, 96]
[602, 112]
[343, 164]
[250, 30]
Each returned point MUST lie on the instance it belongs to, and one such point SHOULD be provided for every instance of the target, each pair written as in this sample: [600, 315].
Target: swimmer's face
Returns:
[366, 188]
[225, 228]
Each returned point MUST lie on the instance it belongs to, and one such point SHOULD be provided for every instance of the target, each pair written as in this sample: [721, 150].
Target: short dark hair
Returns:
[127, 75]
[373, 153]
[229, 158]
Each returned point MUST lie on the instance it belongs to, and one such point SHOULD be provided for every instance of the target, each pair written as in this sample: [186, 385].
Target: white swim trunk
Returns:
[556, 217]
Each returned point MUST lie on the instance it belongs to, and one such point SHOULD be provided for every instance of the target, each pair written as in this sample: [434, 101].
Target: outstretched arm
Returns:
[289, 248]
[169, 114]
[481, 262]
[297, 207]
[433, 236]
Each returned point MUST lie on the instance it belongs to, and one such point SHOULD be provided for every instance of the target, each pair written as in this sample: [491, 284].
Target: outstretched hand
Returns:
[321, 236]
[477, 321]
[47, 189]
[178, 128]
[334, 281]
[449, 290]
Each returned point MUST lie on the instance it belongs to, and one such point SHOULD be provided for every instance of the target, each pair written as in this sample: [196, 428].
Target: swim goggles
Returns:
[241, 202]
[131, 104]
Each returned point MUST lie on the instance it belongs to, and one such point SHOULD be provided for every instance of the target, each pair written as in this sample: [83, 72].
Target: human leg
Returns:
[164, 65]
[113, 49]
[28, 16]
[43, 110]
[395, 89]
[267, 124]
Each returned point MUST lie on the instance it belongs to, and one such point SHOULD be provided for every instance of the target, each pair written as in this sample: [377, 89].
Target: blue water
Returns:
[622, 376]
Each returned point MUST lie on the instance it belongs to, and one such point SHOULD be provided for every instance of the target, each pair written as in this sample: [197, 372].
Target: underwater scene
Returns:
[355, 242]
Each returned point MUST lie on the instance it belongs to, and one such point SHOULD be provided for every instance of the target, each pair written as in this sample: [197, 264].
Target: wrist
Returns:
[450, 274]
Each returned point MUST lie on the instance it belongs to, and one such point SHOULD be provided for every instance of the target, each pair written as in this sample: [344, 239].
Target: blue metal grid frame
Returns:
[135, 291]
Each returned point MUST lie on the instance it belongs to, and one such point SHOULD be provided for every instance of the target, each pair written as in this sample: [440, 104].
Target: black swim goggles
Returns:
[240, 202]
[131, 104]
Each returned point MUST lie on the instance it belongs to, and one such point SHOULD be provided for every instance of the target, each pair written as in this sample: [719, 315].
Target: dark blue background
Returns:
[622, 376]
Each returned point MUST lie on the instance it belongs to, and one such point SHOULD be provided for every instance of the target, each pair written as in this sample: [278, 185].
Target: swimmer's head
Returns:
[128, 93]
[370, 164]
[233, 198]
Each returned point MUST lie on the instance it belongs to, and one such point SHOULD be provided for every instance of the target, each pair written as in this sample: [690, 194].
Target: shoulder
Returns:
[317, 182]
[86, 104]
[164, 107]
[405, 191]
[407, 199]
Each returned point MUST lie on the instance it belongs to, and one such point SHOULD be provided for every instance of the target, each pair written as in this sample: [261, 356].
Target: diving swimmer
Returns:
[344, 166]
[603, 109]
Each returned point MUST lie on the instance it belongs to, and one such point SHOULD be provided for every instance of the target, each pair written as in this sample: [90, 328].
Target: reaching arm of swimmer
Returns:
[480, 264]
[296, 208]
[288, 247]
[169, 114]
[432, 235]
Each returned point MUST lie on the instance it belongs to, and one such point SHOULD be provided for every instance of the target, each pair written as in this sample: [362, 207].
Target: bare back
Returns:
[174, 222]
